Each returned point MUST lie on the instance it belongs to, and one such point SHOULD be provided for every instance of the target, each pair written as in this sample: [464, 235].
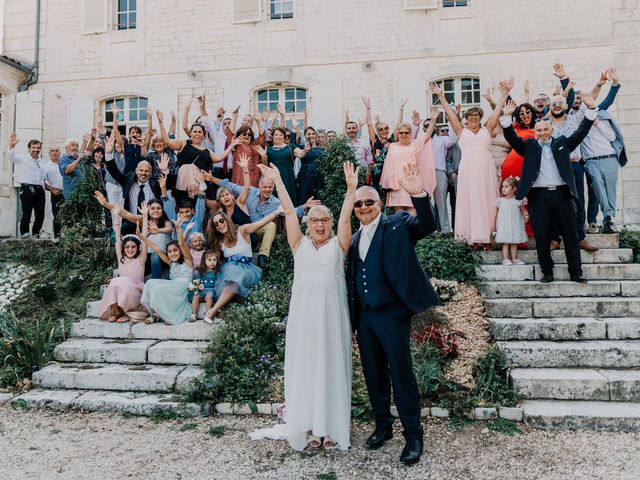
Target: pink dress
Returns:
[124, 290]
[397, 157]
[477, 188]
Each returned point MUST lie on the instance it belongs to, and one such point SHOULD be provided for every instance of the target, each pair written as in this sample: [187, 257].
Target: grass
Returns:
[163, 415]
[188, 426]
[327, 476]
[216, 431]
[506, 427]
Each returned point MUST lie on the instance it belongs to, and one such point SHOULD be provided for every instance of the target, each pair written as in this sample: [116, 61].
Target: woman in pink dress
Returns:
[404, 152]
[477, 182]
[124, 291]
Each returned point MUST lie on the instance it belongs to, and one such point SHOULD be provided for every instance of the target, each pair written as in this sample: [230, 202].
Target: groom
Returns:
[387, 286]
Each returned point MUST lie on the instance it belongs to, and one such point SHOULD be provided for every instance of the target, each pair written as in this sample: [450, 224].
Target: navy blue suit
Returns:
[385, 290]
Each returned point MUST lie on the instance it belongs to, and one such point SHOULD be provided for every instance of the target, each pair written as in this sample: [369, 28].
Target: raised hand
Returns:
[587, 99]
[13, 140]
[557, 90]
[202, 100]
[220, 113]
[235, 142]
[100, 197]
[436, 89]
[311, 202]
[86, 138]
[613, 75]
[115, 110]
[187, 102]
[412, 181]
[403, 102]
[261, 151]
[458, 110]
[604, 76]
[173, 116]
[415, 118]
[570, 85]
[108, 147]
[280, 109]
[160, 116]
[350, 176]
[243, 161]
[270, 172]
[266, 113]
[526, 87]
[509, 108]
[559, 71]
[367, 102]
[434, 111]
[235, 113]
[153, 226]
[188, 227]
[507, 85]
[149, 111]
[144, 209]
[206, 175]
[162, 181]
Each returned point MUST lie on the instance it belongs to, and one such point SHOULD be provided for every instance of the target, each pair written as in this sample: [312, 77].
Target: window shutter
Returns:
[246, 11]
[28, 118]
[420, 4]
[95, 16]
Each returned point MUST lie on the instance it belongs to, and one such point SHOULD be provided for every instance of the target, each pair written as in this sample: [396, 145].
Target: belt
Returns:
[551, 187]
[31, 185]
[601, 157]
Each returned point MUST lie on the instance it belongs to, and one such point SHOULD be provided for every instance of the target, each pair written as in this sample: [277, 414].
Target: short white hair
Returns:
[373, 191]
[71, 140]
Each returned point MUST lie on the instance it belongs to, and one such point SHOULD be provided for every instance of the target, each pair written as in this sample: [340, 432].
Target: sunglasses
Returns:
[245, 134]
[380, 129]
[558, 104]
[222, 221]
[404, 133]
[368, 202]
[524, 112]
[444, 130]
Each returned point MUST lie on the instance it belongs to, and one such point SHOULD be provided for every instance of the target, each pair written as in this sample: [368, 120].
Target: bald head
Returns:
[143, 171]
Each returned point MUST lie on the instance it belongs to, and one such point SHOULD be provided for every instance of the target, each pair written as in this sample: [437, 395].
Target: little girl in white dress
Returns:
[510, 223]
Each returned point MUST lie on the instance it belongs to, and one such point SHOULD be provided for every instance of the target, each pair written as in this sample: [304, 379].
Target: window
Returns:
[132, 111]
[293, 98]
[126, 14]
[460, 90]
[455, 3]
[279, 9]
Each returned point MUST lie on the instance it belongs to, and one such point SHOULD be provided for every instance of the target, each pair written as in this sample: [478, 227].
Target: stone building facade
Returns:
[321, 56]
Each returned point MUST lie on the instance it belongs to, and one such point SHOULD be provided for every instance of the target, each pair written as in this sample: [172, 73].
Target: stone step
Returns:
[600, 240]
[571, 354]
[596, 288]
[577, 384]
[592, 271]
[572, 328]
[104, 376]
[97, 350]
[609, 416]
[93, 311]
[563, 307]
[609, 255]
[134, 403]
[172, 352]
[95, 328]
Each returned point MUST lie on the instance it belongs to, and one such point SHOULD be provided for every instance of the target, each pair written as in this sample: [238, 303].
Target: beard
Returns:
[558, 115]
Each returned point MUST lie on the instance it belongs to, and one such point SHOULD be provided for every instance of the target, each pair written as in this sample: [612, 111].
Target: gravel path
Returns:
[51, 445]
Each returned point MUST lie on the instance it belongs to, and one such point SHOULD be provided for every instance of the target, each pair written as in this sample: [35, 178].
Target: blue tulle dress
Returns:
[169, 298]
[238, 269]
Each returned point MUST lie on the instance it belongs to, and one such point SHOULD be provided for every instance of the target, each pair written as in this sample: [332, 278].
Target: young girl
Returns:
[167, 300]
[196, 244]
[510, 223]
[207, 274]
[123, 293]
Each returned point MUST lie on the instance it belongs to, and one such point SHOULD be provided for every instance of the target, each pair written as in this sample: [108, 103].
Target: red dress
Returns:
[254, 160]
[512, 166]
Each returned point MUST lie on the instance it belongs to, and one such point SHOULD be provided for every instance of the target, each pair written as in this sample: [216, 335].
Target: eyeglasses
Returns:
[540, 99]
[222, 221]
[404, 133]
[524, 112]
[323, 220]
[368, 202]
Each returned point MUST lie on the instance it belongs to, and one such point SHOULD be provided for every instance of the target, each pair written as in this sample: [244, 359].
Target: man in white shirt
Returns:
[53, 183]
[439, 145]
[30, 175]
[361, 150]
[217, 129]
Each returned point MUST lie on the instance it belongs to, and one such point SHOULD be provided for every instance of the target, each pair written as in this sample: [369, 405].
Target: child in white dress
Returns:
[512, 215]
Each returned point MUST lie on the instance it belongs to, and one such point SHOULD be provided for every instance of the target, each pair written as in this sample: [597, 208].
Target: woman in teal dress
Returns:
[282, 156]
[310, 180]
[168, 300]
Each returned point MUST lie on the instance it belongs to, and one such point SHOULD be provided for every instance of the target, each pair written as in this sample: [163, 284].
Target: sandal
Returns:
[193, 317]
[112, 319]
[122, 319]
[313, 441]
[152, 319]
[329, 443]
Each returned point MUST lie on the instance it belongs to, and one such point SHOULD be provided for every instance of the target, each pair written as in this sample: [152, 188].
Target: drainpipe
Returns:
[33, 75]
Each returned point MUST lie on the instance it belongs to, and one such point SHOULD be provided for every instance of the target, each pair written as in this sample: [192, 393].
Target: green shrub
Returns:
[490, 372]
[26, 345]
[445, 258]
[279, 269]
[427, 367]
[629, 239]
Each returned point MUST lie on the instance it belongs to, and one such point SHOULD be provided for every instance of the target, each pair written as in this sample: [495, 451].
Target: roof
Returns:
[15, 63]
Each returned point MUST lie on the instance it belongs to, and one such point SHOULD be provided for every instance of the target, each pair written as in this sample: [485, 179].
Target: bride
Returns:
[317, 365]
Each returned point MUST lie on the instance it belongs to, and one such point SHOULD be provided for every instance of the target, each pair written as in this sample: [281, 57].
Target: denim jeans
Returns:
[156, 265]
[604, 175]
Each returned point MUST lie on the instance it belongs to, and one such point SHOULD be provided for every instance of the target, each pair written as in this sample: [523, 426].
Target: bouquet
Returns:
[195, 286]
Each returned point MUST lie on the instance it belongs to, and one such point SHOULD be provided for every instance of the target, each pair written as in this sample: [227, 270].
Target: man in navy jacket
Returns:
[387, 285]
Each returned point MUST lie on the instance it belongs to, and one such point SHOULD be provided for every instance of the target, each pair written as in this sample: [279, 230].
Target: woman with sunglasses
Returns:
[238, 275]
[248, 145]
[317, 370]
[381, 138]
[405, 152]
[477, 181]
[310, 180]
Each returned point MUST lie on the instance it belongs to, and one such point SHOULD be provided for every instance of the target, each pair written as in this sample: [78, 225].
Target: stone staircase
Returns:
[574, 348]
[133, 368]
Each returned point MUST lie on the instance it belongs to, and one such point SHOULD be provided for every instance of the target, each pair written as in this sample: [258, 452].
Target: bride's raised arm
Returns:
[294, 232]
[344, 222]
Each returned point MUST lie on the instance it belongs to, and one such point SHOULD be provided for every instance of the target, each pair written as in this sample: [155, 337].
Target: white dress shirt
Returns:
[362, 152]
[52, 175]
[598, 141]
[548, 176]
[440, 145]
[214, 128]
[366, 235]
[133, 195]
[28, 170]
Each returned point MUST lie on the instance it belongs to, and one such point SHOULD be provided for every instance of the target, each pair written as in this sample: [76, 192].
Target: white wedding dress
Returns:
[317, 365]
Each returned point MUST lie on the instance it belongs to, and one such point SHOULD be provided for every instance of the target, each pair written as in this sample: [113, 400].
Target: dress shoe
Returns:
[555, 245]
[607, 225]
[377, 438]
[584, 245]
[578, 279]
[262, 260]
[547, 278]
[412, 451]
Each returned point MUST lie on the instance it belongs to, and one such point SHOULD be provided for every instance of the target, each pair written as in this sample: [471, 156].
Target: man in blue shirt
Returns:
[70, 167]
